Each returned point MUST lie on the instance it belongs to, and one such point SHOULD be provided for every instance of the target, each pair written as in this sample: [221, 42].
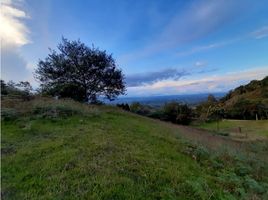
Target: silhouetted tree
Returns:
[177, 113]
[80, 72]
[22, 90]
[123, 106]
[211, 99]
[3, 88]
[138, 108]
[216, 112]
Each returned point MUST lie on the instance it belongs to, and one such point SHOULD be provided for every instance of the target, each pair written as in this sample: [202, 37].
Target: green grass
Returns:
[250, 127]
[118, 155]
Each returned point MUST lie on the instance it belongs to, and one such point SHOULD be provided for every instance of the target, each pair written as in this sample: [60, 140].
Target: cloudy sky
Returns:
[163, 47]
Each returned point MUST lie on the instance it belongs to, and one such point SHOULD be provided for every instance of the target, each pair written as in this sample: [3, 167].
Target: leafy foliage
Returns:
[123, 106]
[244, 102]
[8, 114]
[138, 108]
[247, 101]
[80, 72]
[177, 113]
[22, 90]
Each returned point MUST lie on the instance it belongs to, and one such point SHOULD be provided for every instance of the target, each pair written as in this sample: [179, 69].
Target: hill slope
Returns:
[248, 100]
[255, 90]
[64, 150]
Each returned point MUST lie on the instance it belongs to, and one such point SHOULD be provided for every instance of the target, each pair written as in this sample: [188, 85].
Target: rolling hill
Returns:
[66, 150]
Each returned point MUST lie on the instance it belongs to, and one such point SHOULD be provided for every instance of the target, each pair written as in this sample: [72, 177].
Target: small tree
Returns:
[80, 72]
[138, 108]
[23, 89]
[25, 86]
[177, 113]
[216, 112]
[211, 99]
[3, 88]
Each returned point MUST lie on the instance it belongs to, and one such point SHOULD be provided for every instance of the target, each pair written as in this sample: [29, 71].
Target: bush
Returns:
[45, 107]
[8, 114]
[177, 113]
[158, 114]
[138, 108]
[49, 108]
[123, 106]
[22, 90]
[50, 111]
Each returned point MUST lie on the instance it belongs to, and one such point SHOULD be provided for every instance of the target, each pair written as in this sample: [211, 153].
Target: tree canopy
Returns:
[80, 72]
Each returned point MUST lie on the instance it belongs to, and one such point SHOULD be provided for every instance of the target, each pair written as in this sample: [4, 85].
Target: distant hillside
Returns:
[248, 100]
[157, 101]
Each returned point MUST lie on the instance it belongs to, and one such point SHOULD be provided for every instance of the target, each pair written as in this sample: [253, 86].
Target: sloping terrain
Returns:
[255, 91]
[248, 101]
[239, 129]
[64, 150]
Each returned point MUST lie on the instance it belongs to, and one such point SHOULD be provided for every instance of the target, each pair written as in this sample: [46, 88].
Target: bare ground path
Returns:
[207, 138]
[204, 137]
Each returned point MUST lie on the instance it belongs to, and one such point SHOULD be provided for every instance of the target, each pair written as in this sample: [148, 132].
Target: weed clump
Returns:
[240, 176]
[8, 114]
[47, 108]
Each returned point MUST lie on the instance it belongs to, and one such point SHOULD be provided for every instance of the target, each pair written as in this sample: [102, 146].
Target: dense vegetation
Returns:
[174, 112]
[22, 90]
[247, 101]
[61, 149]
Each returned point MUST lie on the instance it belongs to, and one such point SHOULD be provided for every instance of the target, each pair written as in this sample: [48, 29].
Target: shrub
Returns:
[138, 108]
[54, 111]
[62, 108]
[45, 107]
[177, 113]
[123, 106]
[8, 114]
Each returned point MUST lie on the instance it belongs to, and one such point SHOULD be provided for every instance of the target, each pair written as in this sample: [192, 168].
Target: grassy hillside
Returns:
[247, 101]
[66, 150]
[249, 128]
[255, 91]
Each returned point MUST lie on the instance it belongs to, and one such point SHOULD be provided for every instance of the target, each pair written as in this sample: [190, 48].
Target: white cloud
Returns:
[216, 83]
[14, 34]
[258, 34]
[261, 33]
[13, 31]
[200, 63]
[199, 19]
[207, 47]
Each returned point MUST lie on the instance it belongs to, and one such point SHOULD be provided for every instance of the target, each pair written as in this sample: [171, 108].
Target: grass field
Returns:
[249, 128]
[53, 150]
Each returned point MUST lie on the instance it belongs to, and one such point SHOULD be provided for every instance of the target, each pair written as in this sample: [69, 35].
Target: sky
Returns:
[164, 47]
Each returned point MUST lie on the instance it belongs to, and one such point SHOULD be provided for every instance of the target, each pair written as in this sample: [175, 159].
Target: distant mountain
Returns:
[157, 101]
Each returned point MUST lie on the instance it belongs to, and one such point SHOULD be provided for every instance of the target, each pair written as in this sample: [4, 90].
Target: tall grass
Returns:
[46, 108]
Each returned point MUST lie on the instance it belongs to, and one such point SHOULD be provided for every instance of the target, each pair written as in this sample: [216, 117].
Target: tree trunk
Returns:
[86, 95]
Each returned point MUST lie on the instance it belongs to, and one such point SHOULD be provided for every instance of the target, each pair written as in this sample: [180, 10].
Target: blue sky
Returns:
[163, 47]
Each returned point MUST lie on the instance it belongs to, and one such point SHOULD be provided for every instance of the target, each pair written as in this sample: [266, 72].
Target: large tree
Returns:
[80, 72]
